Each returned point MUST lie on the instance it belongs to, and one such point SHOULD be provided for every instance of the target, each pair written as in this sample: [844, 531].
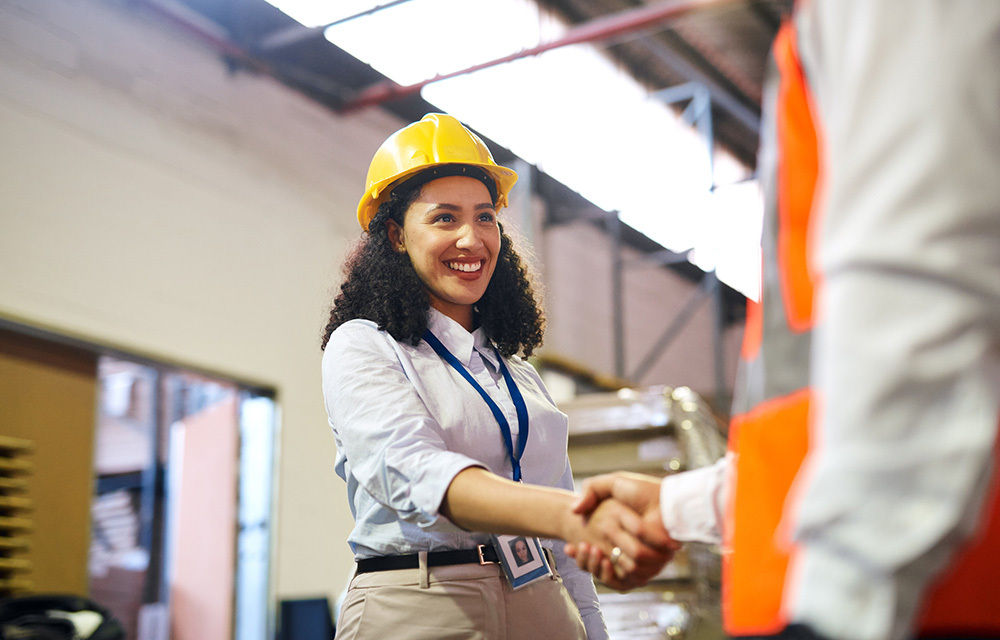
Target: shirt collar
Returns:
[459, 341]
[485, 348]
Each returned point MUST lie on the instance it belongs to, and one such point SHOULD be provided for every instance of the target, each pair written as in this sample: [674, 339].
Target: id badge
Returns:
[522, 559]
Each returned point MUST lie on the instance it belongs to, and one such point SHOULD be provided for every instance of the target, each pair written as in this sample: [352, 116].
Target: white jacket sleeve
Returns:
[692, 503]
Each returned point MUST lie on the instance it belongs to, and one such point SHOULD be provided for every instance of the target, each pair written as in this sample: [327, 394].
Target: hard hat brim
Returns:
[378, 193]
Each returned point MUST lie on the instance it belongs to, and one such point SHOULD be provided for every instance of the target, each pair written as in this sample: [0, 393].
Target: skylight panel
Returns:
[415, 41]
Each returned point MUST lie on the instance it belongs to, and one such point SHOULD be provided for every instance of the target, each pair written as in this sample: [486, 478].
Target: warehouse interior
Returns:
[179, 185]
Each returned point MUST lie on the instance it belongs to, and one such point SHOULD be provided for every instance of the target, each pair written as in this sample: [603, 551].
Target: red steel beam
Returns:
[596, 30]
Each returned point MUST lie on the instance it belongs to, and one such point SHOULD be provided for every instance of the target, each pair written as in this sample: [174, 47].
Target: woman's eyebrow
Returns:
[454, 207]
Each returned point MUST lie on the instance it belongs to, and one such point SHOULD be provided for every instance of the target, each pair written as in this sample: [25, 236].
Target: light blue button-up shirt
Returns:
[406, 423]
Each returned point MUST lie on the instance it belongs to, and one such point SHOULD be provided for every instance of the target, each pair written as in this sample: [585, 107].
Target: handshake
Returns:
[621, 539]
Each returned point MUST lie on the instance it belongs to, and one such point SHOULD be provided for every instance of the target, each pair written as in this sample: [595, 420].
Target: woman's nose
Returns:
[468, 237]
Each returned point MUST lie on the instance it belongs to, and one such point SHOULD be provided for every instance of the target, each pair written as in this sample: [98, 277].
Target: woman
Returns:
[437, 419]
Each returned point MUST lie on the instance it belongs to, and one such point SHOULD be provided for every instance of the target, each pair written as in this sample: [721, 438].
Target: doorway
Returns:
[181, 528]
[176, 474]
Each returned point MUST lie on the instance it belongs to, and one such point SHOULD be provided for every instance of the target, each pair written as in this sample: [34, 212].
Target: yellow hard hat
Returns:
[437, 139]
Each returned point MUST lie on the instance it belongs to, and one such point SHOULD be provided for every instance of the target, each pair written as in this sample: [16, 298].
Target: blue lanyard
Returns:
[515, 395]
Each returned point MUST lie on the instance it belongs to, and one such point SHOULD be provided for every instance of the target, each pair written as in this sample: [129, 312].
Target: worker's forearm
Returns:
[478, 500]
[481, 501]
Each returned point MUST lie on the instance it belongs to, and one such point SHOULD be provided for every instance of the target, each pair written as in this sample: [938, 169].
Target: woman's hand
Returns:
[649, 546]
[594, 536]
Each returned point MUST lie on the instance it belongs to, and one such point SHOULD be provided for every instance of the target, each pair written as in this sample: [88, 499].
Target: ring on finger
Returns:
[616, 553]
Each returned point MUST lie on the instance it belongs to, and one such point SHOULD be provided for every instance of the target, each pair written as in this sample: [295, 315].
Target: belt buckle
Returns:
[483, 561]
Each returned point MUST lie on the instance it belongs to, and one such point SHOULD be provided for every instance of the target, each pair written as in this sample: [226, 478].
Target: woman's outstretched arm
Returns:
[478, 500]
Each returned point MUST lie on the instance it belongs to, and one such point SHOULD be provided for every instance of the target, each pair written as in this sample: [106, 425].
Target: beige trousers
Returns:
[459, 602]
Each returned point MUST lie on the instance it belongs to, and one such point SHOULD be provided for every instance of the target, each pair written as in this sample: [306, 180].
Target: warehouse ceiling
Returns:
[721, 45]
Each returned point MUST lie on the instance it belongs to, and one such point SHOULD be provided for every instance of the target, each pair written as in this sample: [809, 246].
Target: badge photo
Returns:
[522, 558]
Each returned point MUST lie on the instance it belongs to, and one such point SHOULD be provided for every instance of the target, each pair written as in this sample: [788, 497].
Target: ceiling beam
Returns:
[604, 28]
[299, 32]
[721, 97]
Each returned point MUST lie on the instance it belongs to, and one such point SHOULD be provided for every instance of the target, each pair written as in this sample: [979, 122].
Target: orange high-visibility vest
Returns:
[770, 427]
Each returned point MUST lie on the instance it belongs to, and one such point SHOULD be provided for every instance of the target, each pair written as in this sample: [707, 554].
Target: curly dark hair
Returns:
[381, 285]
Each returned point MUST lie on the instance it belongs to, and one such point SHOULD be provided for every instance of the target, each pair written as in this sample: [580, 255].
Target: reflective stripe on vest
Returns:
[769, 430]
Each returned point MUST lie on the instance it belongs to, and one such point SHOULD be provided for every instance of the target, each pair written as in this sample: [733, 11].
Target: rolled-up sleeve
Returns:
[393, 447]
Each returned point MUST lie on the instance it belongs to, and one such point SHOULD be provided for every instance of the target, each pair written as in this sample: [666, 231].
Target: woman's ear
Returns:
[395, 232]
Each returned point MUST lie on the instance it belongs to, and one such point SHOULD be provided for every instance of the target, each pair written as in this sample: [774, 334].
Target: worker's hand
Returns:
[641, 494]
[611, 548]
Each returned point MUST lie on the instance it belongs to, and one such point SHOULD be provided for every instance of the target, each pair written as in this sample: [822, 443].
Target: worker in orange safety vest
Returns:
[859, 495]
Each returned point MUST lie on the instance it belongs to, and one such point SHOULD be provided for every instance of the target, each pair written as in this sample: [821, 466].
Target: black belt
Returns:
[482, 554]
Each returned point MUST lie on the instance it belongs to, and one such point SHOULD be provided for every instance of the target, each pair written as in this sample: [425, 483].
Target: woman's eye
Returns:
[445, 217]
[487, 217]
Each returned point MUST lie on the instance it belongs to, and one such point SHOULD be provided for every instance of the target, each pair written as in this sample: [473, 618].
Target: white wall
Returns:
[152, 201]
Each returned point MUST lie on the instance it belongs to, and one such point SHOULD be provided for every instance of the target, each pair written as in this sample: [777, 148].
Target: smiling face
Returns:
[452, 238]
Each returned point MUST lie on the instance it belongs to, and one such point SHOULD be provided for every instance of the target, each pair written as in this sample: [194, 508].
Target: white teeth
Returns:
[467, 267]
